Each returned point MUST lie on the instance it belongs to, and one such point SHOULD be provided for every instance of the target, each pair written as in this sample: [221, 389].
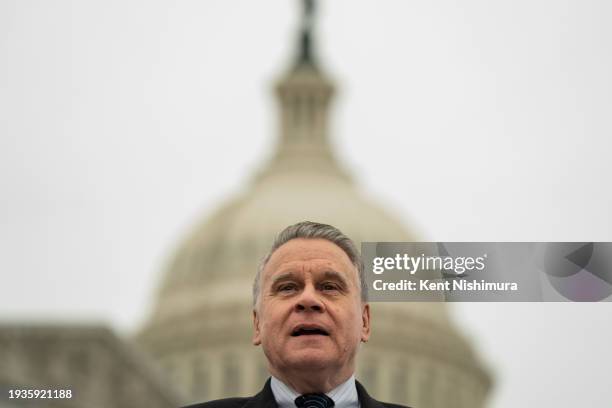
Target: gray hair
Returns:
[314, 230]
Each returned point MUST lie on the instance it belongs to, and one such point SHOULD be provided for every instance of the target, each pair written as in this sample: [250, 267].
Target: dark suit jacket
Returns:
[265, 399]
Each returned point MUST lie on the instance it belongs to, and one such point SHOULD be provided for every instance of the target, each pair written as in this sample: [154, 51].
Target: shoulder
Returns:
[262, 399]
[221, 403]
[389, 405]
[369, 402]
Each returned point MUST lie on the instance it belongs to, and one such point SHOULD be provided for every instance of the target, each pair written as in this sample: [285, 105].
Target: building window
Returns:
[231, 376]
[368, 376]
[201, 379]
[263, 373]
[399, 384]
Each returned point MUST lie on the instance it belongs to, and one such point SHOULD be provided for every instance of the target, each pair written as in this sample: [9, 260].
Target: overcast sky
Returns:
[123, 122]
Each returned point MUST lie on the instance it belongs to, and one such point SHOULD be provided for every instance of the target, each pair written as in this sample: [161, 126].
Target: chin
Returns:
[313, 359]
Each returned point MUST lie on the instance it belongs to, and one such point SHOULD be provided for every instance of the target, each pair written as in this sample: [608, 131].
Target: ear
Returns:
[256, 330]
[365, 318]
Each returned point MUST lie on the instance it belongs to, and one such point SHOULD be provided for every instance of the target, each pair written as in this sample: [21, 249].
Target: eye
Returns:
[287, 287]
[329, 286]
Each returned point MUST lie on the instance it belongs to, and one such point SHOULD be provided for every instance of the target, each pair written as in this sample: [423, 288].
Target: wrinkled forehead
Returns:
[311, 255]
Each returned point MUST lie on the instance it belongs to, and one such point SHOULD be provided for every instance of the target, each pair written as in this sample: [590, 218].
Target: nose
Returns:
[309, 301]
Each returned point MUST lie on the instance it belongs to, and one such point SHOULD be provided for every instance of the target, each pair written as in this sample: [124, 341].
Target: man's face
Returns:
[309, 314]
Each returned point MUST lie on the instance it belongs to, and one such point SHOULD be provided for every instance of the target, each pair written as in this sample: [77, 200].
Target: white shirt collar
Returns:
[344, 395]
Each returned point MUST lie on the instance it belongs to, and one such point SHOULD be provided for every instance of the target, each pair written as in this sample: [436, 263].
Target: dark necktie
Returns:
[314, 401]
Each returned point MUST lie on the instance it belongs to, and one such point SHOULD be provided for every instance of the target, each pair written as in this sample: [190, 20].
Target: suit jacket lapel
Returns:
[264, 399]
[364, 399]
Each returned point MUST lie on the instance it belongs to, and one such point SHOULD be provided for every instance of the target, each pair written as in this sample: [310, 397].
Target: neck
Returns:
[305, 382]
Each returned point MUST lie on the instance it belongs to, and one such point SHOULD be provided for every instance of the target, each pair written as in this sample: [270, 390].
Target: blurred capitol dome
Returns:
[200, 330]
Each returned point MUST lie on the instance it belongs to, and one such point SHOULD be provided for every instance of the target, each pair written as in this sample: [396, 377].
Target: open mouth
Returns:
[309, 331]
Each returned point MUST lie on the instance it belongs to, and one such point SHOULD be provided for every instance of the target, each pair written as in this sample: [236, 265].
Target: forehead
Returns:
[312, 253]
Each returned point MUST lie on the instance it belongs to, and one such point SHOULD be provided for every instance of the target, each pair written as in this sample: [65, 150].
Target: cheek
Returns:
[272, 319]
[348, 323]
[356, 322]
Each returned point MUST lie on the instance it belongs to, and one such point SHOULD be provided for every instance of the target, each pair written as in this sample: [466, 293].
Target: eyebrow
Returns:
[283, 276]
[328, 274]
[331, 274]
